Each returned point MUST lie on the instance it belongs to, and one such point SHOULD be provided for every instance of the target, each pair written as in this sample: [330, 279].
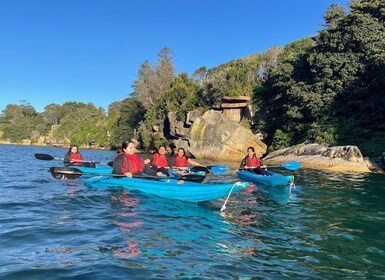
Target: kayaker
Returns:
[181, 161]
[252, 163]
[160, 161]
[128, 163]
[74, 158]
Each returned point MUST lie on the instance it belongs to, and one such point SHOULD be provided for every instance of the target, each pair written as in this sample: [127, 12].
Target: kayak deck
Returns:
[271, 178]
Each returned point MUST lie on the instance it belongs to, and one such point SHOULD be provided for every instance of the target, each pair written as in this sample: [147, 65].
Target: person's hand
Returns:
[128, 174]
[159, 174]
[246, 167]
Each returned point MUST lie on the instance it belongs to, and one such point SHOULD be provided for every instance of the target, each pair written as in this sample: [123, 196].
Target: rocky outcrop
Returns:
[215, 137]
[376, 164]
[339, 158]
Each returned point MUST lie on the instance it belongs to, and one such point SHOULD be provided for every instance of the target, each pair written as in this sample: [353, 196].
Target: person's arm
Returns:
[118, 165]
[195, 163]
[243, 163]
[261, 163]
[67, 160]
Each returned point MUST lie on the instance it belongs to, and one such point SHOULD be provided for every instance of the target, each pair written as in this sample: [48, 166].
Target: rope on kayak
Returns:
[228, 196]
[291, 185]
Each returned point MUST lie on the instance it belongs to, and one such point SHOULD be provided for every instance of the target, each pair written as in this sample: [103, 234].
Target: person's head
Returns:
[73, 149]
[181, 152]
[162, 150]
[128, 147]
[250, 151]
[171, 148]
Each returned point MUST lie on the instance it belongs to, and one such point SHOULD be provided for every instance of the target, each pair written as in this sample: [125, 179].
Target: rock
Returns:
[338, 158]
[215, 137]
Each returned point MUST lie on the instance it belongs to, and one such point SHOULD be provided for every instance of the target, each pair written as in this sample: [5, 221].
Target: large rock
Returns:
[215, 137]
[339, 158]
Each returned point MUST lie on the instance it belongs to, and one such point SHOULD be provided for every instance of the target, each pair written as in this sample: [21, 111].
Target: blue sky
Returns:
[54, 51]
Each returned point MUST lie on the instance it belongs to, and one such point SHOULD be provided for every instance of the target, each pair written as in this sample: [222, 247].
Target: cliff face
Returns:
[215, 137]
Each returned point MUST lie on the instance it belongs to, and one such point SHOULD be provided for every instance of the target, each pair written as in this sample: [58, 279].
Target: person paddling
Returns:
[160, 161]
[128, 163]
[181, 161]
[74, 158]
[252, 163]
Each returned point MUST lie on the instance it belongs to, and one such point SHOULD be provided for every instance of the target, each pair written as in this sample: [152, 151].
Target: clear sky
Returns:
[54, 51]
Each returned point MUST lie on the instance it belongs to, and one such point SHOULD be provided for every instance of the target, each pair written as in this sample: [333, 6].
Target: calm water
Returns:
[332, 226]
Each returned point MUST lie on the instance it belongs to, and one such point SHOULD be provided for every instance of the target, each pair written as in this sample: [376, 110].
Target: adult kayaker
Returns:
[252, 163]
[181, 161]
[128, 163]
[74, 158]
[160, 161]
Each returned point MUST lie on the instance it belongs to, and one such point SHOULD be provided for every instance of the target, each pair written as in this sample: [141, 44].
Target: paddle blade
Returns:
[219, 169]
[291, 165]
[65, 173]
[199, 169]
[44, 157]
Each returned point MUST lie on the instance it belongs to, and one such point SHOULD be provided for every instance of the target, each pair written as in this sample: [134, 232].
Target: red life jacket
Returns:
[76, 158]
[160, 160]
[180, 161]
[252, 162]
[132, 163]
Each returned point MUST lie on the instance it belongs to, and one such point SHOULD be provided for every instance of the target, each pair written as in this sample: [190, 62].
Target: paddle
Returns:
[74, 173]
[49, 157]
[291, 165]
[216, 169]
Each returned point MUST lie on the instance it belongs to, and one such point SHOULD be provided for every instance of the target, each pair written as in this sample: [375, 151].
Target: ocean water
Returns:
[330, 226]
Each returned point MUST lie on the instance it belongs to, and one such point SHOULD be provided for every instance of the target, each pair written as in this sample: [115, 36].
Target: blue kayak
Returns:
[271, 178]
[168, 188]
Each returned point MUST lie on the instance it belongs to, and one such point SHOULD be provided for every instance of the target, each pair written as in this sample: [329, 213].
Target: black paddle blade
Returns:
[110, 163]
[44, 157]
[65, 173]
[193, 178]
[199, 168]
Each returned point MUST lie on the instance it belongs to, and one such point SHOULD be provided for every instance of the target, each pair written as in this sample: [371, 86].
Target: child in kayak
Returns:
[252, 163]
[181, 161]
[74, 158]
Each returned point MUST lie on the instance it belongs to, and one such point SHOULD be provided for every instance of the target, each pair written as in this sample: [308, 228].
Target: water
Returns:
[331, 226]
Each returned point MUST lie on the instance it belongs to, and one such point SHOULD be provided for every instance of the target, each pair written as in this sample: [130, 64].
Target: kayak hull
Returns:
[271, 178]
[168, 188]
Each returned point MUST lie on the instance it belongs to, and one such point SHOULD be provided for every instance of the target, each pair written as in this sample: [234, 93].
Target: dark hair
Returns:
[69, 150]
[161, 147]
[125, 144]
[184, 152]
[251, 148]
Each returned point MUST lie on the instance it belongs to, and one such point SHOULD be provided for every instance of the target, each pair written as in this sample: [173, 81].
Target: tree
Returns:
[153, 81]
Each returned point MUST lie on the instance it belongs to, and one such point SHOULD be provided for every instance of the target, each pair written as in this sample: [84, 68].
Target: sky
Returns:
[55, 51]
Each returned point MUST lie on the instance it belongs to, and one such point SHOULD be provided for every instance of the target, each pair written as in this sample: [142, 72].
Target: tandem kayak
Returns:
[86, 172]
[271, 178]
[168, 188]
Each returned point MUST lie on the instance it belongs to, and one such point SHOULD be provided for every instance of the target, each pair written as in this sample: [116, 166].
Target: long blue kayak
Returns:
[271, 178]
[168, 188]
[86, 172]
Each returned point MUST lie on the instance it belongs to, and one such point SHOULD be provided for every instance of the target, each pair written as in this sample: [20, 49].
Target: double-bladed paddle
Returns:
[49, 157]
[74, 173]
[216, 169]
[291, 165]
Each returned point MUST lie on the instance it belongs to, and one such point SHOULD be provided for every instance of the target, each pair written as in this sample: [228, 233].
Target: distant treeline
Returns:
[328, 89]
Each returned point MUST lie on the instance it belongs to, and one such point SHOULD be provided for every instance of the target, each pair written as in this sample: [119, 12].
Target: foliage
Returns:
[152, 82]
[280, 140]
[231, 79]
[130, 115]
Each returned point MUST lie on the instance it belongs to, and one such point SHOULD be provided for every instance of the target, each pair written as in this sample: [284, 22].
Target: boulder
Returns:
[338, 158]
[215, 137]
